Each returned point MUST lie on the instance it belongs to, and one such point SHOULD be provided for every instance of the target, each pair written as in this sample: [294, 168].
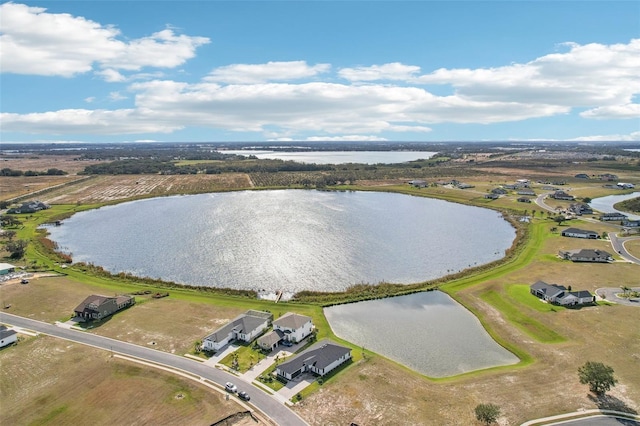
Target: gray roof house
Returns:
[7, 336]
[586, 255]
[96, 307]
[320, 359]
[270, 340]
[548, 292]
[613, 216]
[245, 327]
[579, 233]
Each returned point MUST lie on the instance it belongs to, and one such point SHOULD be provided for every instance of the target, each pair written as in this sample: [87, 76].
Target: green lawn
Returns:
[514, 315]
[521, 294]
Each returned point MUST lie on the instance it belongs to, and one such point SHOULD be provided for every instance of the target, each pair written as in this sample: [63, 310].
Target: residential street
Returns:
[265, 403]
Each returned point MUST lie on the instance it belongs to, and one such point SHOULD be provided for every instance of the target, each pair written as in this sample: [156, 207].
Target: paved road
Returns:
[278, 412]
[598, 421]
[618, 245]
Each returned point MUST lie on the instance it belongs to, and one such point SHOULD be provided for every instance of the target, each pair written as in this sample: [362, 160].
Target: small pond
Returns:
[605, 204]
[428, 332]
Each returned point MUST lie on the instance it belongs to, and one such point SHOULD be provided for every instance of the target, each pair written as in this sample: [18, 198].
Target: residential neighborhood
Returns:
[245, 327]
[320, 359]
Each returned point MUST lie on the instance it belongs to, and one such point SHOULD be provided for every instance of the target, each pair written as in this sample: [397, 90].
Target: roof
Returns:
[292, 320]
[271, 338]
[589, 253]
[581, 294]
[6, 332]
[547, 289]
[321, 355]
[6, 266]
[577, 231]
[94, 299]
[243, 324]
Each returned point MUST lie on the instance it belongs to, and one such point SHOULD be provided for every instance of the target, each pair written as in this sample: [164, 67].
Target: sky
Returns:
[212, 71]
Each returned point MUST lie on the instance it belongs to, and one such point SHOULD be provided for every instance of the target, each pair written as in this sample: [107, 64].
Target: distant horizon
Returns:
[307, 71]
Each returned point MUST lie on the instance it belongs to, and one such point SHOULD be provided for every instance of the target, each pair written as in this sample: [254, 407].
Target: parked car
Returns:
[24, 281]
[287, 343]
[230, 387]
[244, 395]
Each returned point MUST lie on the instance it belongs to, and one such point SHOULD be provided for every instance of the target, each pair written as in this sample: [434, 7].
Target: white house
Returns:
[576, 298]
[245, 327]
[320, 359]
[579, 233]
[6, 268]
[294, 326]
[547, 292]
[7, 336]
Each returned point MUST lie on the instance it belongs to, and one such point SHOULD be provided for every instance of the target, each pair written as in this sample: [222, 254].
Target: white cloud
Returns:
[90, 99]
[116, 96]
[613, 112]
[35, 42]
[261, 73]
[392, 71]
[354, 138]
[110, 75]
[631, 137]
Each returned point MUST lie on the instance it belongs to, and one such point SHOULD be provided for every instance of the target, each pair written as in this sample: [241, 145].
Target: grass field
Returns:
[551, 341]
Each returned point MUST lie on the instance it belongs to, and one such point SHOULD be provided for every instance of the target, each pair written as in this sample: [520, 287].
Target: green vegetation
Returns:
[631, 206]
[598, 376]
[487, 413]
[527, 324]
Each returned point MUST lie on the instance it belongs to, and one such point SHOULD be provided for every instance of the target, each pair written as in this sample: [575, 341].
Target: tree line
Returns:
[49, 172]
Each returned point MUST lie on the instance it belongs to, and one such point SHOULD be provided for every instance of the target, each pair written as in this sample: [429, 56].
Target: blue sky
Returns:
[119, 71]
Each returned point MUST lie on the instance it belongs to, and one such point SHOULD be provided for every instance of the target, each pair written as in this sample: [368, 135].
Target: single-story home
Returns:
[526, 192]
[524, 200]
[625, 185]
[320, 359]
[96, 307]
[607, 217]
[271, 340]
[579, 233]
[7, 336]
[631, 223]
[417, 183]
[582, 176]
[580, 209]
[245, 327]
[558, 294]
[586, 255]
[29, 207]
[492, 196]
[6, 268]
[561, 195]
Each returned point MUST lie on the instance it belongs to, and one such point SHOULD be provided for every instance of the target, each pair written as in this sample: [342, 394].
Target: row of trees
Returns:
[597, 375]
[14, 173]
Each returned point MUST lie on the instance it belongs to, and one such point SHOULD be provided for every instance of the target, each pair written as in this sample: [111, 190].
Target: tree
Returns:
[16, 248]
[487, 413]
[8, 220]
[598, 376]
[559, 219]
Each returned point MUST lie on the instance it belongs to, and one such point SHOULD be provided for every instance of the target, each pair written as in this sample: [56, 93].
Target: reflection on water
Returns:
[289, 240]
[428, 332]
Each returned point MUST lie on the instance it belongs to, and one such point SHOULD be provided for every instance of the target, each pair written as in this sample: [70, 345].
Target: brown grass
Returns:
[52, 381]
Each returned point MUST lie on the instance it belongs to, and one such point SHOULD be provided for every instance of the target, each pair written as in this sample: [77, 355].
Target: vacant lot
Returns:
[52, 381]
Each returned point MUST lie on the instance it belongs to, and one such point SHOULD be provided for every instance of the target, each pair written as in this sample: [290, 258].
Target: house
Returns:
[499, 191]
[625, 185]
[608, 177]
[417, 183]
[561, 195]
[579, 233]
[7, 336]
[524, 200]
[558, 294]
[463, 185]
[492, 196]
[295, 327]
[526, 192]
[6, 268]
[245, 327]
[580, 209]
[608, 217]
[29, 207]
[547, 292]
[582, 176]
[96, 307]
[271, 340]
[320, 359]
[586, 255]
[631, 223]
[576, 298]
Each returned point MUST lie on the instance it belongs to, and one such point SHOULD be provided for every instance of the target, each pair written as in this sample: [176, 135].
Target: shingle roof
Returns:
[548, 289]
[320, 356]
[292, 320]
[243, 324]
[6, 332]
[271, 338]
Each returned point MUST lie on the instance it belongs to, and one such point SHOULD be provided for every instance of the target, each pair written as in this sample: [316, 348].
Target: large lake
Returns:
[605, 204]
[428, 332]
[288, 240]
[338, 157]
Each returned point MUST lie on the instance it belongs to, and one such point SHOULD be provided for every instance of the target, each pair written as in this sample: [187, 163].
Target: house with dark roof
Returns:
[97, 307]
[245, 327]
[631, 223]
[547, 292]
[320, 359]
[579, 233]
[417, 183]
[7, 336]
[561, 195]
[586, 255]
[271, 340]
[524, 200]
[608, 217]
[29, 207]
[559, 295]
[580, 209]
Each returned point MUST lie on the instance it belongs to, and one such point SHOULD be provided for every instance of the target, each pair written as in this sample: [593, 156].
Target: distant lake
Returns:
[289, 240]
[605, 204]
[428, 332]
[338, 157]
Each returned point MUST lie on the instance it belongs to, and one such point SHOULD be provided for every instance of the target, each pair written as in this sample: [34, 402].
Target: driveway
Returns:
[610, 296]
[296, 385]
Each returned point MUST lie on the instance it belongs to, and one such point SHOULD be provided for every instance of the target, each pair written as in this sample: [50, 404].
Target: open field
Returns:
[52, 381]
[552, 341]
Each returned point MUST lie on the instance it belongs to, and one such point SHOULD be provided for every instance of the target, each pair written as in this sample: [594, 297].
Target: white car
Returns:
[230, 387]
